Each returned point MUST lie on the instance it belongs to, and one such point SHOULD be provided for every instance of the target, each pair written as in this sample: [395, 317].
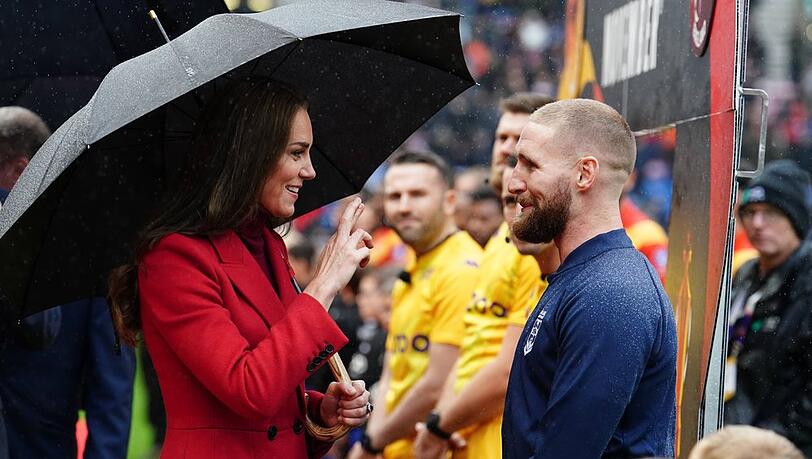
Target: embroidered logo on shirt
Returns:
[531, 338]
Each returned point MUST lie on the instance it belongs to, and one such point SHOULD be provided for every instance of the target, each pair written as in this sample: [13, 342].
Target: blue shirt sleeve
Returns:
[39, 331]
[108, 387]
[605, 340]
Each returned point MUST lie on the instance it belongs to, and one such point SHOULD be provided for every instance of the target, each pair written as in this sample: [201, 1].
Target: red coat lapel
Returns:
[247, 277]
[277, 255]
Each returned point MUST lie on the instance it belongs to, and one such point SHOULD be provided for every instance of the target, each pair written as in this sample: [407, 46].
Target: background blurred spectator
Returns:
[767, 378]
[374, 305]
[466, 182]
[301, 255]
[486, 214]
[745, 442]
[61, 360]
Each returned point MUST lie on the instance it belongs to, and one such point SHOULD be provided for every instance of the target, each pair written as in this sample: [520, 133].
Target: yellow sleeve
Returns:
[742, 256]
[453, 293]
[527, 288]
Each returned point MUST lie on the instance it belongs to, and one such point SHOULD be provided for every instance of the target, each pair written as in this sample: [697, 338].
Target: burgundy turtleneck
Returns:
[252, 236]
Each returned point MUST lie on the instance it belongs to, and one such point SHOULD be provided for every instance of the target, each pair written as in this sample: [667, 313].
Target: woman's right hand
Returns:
[345, 251]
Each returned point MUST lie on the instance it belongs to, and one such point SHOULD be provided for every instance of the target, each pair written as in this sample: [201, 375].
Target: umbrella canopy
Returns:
[55, 53]
[374, 72]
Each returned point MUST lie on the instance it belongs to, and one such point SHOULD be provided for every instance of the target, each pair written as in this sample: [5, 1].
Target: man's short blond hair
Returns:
[745, 442]
[523, 102]
[588, 127]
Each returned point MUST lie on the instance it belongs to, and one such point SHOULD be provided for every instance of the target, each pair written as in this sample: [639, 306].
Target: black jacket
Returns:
[774, 368]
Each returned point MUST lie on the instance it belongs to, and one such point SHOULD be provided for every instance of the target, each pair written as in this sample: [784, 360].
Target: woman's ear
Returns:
[588, 168]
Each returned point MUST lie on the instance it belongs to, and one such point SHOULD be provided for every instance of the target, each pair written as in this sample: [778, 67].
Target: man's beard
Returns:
[543, 224]
[418, 234]
[411, 236]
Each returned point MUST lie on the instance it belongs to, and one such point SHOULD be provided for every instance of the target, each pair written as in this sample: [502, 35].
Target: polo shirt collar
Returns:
[599, 244]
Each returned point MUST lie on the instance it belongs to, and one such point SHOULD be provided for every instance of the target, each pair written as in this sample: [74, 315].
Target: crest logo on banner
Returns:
[701, 14]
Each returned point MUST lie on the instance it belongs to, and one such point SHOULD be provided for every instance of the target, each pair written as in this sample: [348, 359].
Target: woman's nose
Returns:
[308, 172]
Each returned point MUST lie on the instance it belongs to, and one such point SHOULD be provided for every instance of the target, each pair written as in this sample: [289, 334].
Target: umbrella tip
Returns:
[154, 16]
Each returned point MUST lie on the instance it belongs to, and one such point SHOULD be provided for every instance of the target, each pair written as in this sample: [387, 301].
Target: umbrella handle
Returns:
[329, 434]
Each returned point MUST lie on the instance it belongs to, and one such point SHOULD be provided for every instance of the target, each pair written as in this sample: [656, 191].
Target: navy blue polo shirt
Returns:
[594, 370]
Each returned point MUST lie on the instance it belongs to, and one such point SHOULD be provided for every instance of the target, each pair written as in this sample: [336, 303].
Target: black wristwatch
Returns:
[433, 426]
[366, 444]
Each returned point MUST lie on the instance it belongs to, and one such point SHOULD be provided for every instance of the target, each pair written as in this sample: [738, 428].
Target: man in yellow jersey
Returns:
[512, 279]
[515, 111]
[426, 325]
[509, 286]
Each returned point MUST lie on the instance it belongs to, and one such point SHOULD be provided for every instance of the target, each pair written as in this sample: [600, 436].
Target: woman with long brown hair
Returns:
[211, 290]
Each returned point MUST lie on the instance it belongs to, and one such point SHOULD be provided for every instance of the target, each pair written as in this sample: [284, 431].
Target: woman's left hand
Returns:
[345, 404]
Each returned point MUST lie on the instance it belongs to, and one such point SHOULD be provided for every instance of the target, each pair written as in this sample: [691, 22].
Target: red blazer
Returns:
[231, 353]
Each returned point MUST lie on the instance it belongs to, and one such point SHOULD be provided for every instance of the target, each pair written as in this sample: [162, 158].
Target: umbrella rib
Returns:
[292, 49]
[335, 166]
[53, 157]
[182, 111]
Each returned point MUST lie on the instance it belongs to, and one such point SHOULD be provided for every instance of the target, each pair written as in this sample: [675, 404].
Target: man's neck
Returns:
[437, 238]
[548, 260]
[585, 226]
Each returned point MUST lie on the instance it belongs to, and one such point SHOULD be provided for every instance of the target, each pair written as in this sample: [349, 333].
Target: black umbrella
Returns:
[373, 70]
[55, 53]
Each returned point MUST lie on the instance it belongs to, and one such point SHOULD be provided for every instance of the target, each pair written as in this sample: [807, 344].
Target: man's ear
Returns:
[20, 164]
[449, 202]
[588, 168]
[14, 168]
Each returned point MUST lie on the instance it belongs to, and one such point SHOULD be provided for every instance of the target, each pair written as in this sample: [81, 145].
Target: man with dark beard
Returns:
[594, 370]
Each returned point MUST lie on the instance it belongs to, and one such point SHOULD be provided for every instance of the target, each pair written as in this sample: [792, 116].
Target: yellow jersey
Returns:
[428, 309]
[508, 289]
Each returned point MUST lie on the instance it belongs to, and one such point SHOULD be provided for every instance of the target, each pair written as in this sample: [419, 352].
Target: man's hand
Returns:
[357, 452]
[428, 445]
[455, 442]
[345, 403]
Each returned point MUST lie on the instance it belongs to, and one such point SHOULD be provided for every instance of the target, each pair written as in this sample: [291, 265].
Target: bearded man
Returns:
[594, 370]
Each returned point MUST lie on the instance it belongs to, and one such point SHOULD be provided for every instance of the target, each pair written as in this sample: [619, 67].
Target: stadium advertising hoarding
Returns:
[675, 65]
